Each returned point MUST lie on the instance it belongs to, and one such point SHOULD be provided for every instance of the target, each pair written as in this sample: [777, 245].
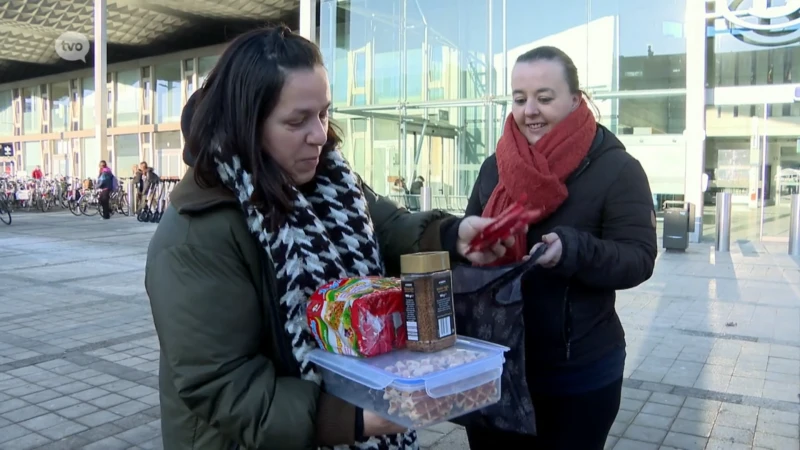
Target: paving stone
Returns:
[685, 441]
[667, 399]
[29, 441]
[725, 433]
[110, 443]
[630, 444]
[774, 441]
[11, 432]
[694, 428]
[138, 435]
[653, 421]
[25, 413]
[660, 410]
[645, 434]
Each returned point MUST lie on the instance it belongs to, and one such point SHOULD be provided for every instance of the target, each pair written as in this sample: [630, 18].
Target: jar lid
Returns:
[425, 262]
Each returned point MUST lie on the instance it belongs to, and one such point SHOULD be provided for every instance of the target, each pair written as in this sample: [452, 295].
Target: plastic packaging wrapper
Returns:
[360, 317]
[488, 303]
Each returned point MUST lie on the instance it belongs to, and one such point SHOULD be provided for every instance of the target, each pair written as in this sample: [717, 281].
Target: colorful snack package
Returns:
[360, 317]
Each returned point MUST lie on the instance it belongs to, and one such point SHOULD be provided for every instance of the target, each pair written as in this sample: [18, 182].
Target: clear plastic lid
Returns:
[466, 365]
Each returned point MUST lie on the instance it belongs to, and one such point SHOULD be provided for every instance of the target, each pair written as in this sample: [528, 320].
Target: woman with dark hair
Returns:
[228, 290]
[599, 225]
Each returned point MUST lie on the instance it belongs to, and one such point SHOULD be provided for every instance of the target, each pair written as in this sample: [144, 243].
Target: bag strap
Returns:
[501, 281]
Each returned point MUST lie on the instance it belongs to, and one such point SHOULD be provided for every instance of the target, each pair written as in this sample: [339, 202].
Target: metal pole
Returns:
[764, 148]
[101, 80]
[723, 225]
[794, 226]
[132, 206]
[426, 197]
[308, 19]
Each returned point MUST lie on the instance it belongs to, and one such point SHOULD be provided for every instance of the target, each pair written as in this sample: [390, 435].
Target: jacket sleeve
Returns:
[400, 232]
[625, 255]
[209, 323]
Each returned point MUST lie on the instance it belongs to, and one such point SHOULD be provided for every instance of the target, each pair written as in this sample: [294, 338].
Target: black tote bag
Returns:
[488, 306]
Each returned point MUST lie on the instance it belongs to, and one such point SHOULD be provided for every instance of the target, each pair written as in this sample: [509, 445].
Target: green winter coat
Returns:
[225, 379]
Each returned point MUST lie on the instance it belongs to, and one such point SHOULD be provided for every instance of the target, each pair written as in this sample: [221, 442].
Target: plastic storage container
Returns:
[418, 389]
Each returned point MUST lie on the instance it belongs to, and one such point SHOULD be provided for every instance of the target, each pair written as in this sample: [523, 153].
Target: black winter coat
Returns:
[607, 229]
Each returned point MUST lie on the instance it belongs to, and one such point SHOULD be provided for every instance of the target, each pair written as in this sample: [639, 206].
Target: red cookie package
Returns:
[361, 317]
[508, 223]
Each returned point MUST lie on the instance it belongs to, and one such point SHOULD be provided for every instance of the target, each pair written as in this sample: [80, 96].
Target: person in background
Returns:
[105, 184]
[599, 226]
[37, 173]
[149, 177]
[415, 192]
[269, 211]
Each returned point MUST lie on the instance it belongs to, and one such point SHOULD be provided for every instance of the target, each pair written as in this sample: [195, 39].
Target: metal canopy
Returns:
[136, 29]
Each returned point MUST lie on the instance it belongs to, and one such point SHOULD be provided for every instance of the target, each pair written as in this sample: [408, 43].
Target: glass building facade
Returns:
[50, 121]
[701, 92]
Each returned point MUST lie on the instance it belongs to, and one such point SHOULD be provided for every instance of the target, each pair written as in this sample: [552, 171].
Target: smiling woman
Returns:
[598, 226]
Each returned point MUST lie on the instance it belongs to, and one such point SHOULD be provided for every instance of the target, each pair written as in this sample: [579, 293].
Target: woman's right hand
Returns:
[375, 425]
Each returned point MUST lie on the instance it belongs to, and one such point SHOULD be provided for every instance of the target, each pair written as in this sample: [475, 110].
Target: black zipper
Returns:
[567, 322]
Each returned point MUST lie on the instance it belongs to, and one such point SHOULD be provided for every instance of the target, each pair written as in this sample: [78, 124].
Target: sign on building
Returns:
[6, 149]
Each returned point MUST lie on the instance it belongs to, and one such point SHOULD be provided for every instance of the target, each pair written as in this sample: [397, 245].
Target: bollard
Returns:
[794, 226]
[425, 199]
[130, 190]
[723, 225]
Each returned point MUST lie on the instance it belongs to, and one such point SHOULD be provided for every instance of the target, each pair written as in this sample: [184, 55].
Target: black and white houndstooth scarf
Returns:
[328, 235]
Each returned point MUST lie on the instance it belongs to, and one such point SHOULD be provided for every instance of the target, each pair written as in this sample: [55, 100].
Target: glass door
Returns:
[753, 153]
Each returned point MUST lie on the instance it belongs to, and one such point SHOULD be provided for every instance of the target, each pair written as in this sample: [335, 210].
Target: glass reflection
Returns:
[168, 92]
[128, 94]
[31, 118]
[32, 155]
[126, 153]
[59, 111]
[739, 55]
[6, 113]
[87, 104]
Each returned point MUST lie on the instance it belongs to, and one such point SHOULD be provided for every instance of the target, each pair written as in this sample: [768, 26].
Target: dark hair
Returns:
[549, 53]
[103, 163]
[239, 94]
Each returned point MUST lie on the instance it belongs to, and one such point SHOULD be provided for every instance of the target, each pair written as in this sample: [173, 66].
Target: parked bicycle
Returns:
[5, 211]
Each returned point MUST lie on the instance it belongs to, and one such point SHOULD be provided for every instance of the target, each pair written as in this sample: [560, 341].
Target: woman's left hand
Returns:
[472, 226]
[552, 255]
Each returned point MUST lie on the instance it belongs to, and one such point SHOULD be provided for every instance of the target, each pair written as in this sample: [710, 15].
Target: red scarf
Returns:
[539, 170]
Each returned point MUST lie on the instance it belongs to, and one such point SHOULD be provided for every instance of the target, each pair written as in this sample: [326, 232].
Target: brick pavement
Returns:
[713, 356]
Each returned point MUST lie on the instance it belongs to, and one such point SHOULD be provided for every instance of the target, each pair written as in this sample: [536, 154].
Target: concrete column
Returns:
[100, 79]
[695, 131]
[308, 19]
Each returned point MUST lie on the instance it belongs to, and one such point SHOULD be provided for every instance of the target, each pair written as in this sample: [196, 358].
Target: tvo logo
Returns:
[762, 25]
[72, 46]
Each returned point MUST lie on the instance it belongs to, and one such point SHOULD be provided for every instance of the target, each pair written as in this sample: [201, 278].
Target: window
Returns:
[87, 103]
[59, 112]
[168, 93]
[31, 118]
[128, 84]
[6, 113]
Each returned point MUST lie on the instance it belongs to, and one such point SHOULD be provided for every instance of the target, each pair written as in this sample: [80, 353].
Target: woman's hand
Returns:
[472, 226]
[551, 256]
[375, 425]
